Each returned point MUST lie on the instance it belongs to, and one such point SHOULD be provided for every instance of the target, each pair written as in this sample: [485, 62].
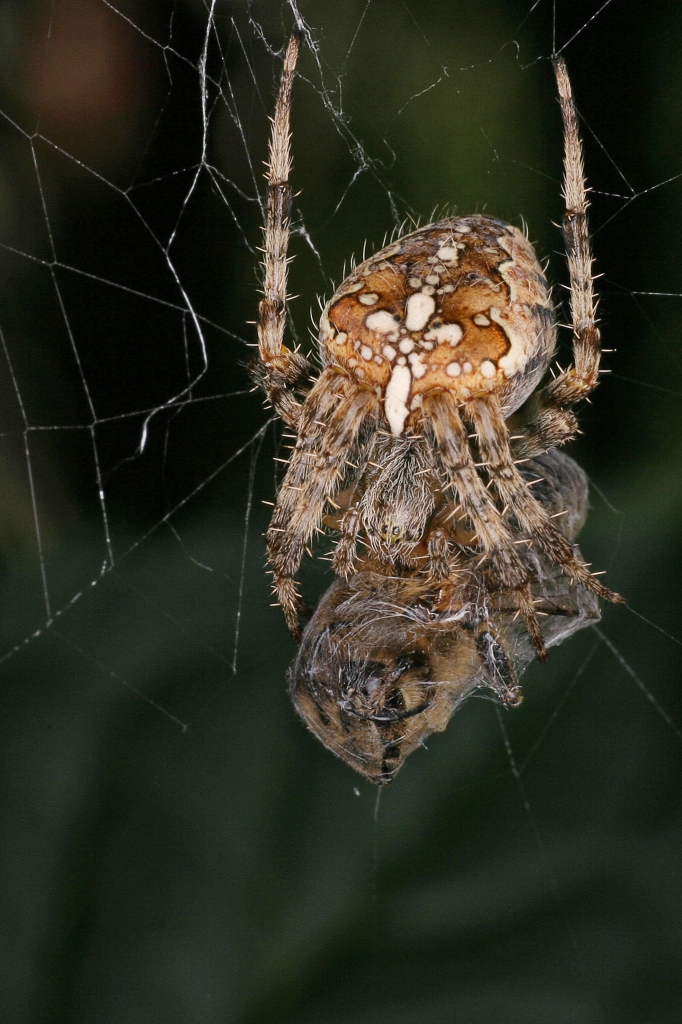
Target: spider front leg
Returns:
[280, 371]
[329, 425]
[450, 435]
[554, 423]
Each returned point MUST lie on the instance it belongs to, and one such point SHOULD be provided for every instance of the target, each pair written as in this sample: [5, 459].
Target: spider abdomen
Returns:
[460, 305]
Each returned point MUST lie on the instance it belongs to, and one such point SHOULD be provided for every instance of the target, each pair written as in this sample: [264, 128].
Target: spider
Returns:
[403, 442]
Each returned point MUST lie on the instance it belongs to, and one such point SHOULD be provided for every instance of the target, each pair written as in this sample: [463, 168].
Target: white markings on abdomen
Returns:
[395, 402]
[419, 308]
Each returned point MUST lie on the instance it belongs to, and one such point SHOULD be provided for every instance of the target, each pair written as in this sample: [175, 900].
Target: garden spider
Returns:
[402, 441]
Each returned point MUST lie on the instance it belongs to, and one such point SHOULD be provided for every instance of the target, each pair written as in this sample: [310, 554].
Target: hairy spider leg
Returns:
[554, 422]
[485, 417]
[330, 422]
[450, 434]
[280, 371]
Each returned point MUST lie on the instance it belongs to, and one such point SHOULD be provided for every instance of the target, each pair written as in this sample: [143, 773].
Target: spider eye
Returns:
[390, 532]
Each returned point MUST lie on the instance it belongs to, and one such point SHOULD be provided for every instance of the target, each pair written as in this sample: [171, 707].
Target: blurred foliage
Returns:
[175, 847]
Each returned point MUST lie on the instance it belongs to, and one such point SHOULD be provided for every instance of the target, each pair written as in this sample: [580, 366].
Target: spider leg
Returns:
[440, 555]
[343, 561]
[485, 416]
[548, 429]
[280, 370]
[450, 435]
[329, 425]
[554, 423]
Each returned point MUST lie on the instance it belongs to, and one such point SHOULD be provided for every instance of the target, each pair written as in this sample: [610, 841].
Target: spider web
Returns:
[135, 458]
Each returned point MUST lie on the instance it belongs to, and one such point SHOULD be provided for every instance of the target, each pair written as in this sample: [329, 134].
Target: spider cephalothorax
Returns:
[402, 443]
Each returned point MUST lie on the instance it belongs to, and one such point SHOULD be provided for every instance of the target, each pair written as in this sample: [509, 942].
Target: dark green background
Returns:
[174, 846]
